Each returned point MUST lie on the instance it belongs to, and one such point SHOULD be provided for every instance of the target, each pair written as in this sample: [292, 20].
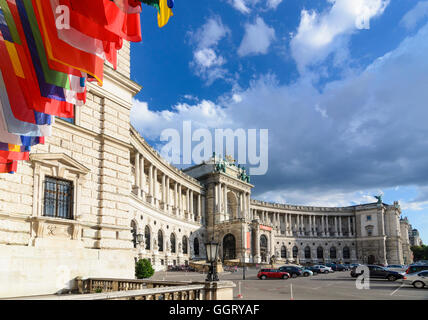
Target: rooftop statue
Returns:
[379, 199]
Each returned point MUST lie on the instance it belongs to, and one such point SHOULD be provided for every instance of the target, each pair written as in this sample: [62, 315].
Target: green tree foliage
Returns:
[143, 269]
[420, 252]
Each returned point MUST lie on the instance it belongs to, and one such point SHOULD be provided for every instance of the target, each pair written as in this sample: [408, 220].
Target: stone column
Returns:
[142, 178]
[216, 209]
[163, 191]
[248, 202]
[322, 227]
[200, 208]
[180, 201]
[225, 202]
[137, 171]
[188, 202]
[168, 196]
[257, 243]
[315, 226]
[327, 230]
[335, 226]
[220, 209]
[155, 189]
[191, 205]
[151, 183]
[176, 197]
[310, 226]
[340, 225]
[349, 227]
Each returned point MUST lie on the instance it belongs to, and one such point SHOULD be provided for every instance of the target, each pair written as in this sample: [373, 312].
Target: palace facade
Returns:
[96, 197]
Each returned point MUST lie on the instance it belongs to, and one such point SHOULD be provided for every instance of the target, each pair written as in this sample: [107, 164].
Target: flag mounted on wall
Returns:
[49, 50]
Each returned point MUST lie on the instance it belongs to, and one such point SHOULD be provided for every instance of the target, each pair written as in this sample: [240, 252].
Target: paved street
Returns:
[334, 286]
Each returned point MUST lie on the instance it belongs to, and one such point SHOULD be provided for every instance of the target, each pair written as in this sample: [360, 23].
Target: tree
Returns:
[420, 252]
[143, 269]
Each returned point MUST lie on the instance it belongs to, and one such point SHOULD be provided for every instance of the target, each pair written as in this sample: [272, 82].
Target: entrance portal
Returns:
[264, 248]
[229, 247]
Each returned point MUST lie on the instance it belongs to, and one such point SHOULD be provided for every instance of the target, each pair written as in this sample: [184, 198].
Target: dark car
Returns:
[379, 272]
[339, 267]
[331, 265]
[272, 273]
[416, 268]
[292, 270]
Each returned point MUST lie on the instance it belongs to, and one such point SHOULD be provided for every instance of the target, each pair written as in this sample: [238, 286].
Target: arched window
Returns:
[134, 233]
[333, 253]
[229, 247]
[346, 253]
[184, 245]
[307, 252]
[172, 242]
[295, 252]
[283, 252]
[147, 237]
[160, 241]
[320, 253]
[196, 246]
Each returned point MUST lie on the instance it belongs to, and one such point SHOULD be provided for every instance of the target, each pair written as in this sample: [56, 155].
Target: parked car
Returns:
[397, 267]
[294, 271]
[379, 272]
[417, 279]
[339, 267]
[316, 269]
[416, 268]
[272, 273]
[306, 272]
[323, 268]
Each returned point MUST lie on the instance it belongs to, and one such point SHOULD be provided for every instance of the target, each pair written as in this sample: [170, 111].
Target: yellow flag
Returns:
[164, 14]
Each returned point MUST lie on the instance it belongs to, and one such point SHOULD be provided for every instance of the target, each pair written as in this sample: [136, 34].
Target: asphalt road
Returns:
[333, 286]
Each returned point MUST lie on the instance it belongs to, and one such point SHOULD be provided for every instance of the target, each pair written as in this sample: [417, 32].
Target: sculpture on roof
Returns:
[379, 199]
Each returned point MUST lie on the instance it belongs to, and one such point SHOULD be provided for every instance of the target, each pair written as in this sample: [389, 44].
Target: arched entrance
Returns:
[263, 248]
[229, 247]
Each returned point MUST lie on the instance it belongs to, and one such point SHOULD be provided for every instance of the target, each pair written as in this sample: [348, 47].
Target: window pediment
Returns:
[61, 161]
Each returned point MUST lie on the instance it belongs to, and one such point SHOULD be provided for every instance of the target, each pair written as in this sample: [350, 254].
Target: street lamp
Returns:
[212, 253]
[140, 238]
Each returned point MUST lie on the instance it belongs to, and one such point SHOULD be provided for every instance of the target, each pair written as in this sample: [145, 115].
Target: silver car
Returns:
[397, 267]
[323, 268]
[417, 279]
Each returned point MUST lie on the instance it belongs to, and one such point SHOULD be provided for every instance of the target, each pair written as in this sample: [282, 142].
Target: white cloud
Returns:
[374, 134]
[240, 5]
[257, 38]
[206, 60]
[273, 4]
[319, 34]
[415, 15]
[246, 6]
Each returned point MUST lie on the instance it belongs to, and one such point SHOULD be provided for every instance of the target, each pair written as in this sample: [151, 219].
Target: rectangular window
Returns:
[58, 201]
[369, 218]
[71, 120]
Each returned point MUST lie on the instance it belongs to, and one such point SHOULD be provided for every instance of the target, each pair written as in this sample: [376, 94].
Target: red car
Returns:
[272, 273]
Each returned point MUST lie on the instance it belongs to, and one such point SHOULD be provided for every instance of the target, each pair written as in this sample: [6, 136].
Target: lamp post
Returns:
[140, 238]
[212, 253]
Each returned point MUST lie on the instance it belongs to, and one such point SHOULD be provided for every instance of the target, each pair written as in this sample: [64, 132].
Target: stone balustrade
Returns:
[134, 289]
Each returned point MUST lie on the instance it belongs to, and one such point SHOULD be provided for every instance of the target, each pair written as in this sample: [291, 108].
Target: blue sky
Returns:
[341, 85]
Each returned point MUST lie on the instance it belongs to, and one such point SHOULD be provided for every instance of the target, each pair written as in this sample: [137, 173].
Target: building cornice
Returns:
[141, 145]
